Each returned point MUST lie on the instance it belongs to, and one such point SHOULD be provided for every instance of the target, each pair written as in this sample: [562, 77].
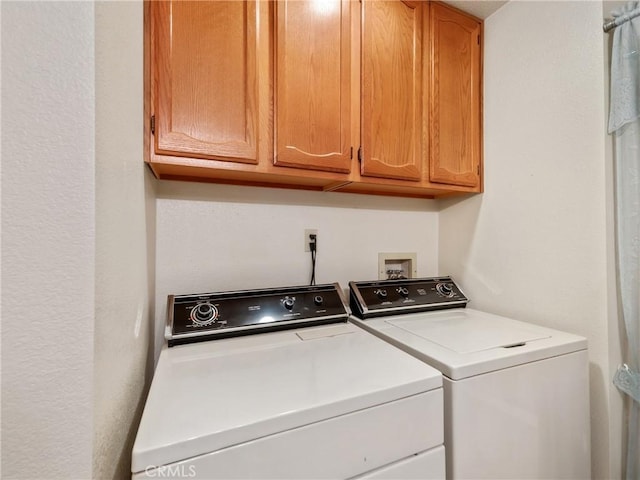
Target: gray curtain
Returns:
[624, 123]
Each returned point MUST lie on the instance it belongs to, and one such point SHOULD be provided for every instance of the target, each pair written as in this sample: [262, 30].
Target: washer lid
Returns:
[466, 342]
[463, 333]
[211, 395]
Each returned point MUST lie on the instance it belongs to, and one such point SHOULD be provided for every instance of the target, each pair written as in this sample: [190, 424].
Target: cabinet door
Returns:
[391, 89]
[205, 81]
[313, 84]
[455, 113]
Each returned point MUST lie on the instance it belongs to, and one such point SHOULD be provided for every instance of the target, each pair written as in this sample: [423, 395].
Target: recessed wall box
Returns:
[397, 265]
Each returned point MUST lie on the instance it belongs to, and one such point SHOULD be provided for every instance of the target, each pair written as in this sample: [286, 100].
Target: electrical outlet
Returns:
[307, 232]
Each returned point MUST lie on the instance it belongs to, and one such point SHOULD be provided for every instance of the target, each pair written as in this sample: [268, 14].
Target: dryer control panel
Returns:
[207, 316]
[394, 297]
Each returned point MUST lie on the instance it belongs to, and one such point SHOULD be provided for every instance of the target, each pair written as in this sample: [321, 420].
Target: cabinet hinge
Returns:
[360, 154]
[153, 124]
[478, 39]
[351, 154]
[478, 169]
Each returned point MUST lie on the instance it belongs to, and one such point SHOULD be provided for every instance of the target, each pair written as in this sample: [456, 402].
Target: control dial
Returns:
[204, 314]
[403, 291]
[318, 300]
[288, 302]
[381, 293]
[445, 289]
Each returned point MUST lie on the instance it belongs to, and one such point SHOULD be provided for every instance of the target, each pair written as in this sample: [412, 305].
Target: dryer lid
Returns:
[207, 396]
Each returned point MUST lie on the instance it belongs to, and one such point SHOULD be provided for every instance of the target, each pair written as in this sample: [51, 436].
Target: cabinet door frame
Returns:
[461, 166]
[166, 141]
[338, 158]
[372, 164]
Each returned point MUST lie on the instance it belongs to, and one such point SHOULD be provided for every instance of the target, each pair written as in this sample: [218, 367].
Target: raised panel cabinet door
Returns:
[454, 112]
[205, 84]
[313, 84]
[391, 89]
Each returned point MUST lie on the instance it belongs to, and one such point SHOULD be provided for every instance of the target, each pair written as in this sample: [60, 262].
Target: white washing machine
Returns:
[516, 394]
[276, 383]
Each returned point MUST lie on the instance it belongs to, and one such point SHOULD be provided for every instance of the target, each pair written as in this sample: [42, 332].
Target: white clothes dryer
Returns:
[516, 394]
[276, 383]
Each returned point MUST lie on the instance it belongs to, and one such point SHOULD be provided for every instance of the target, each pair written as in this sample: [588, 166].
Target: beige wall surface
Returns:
[84, 224]
[537, 245]
[48, 239]
[78, 232]
[125, 239]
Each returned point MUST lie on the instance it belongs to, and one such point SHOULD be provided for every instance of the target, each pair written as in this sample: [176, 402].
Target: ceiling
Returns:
[478, 8]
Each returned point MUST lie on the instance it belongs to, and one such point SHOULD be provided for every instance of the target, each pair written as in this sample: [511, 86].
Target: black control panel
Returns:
[207, 316]
[394, 297]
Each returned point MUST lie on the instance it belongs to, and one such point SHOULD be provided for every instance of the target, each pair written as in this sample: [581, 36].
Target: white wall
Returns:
[537, 245]
[125, 239]
[78, 221]
[48, 239]
[220, 237]
[77, 237]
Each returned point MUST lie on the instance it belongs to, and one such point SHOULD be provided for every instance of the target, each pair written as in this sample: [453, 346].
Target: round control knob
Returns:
[288, 302]
[204, 314]
[445, 289]
[403, 291]
[382, 293]
[317, 300]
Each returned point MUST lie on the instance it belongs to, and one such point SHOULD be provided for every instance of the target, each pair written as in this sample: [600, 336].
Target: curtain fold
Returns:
[624, 123]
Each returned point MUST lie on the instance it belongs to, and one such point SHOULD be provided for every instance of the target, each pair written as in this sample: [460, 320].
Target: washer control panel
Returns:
[206, 316]
[394, 297]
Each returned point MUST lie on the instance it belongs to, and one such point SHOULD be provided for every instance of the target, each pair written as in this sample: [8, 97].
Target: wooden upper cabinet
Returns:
[391, 89]
[455, 98]
[241, 91]
[205, 85]
[313, 84]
